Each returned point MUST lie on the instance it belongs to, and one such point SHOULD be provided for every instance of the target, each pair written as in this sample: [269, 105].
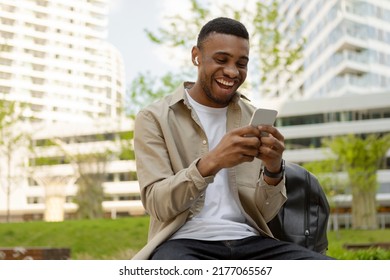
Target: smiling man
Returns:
[210, 181]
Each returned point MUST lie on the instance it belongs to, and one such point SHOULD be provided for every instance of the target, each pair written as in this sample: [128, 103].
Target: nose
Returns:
[231, 71]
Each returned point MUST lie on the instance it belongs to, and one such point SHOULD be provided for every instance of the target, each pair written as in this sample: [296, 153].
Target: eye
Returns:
[242, 64]
[220, 60]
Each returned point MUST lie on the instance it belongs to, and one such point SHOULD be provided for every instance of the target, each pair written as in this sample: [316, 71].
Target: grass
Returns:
[121, 238]
[88, 239]
[338, 239]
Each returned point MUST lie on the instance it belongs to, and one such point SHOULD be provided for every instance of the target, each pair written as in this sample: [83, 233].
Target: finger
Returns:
[273, 143]
[251, 148]
[270, 149]
[263, 151]
[248, 131]
[271, 130]
[269, 152]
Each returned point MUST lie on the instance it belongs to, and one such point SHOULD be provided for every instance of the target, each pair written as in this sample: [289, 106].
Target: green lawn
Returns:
[338, 239]
[121, 238]
[88, 239]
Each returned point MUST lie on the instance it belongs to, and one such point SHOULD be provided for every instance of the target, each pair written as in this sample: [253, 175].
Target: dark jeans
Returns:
[251, 248]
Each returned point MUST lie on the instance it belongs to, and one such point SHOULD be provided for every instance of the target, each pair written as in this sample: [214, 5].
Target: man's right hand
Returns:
[237, 146]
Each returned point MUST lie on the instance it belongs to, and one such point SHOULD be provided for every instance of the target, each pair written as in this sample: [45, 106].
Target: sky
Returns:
[126, 24]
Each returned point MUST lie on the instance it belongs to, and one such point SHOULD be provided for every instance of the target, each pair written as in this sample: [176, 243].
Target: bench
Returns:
[34, 253]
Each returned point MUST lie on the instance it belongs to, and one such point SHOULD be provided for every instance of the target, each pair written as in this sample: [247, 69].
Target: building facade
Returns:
[54, 57]
[346, 49]
[55, 60]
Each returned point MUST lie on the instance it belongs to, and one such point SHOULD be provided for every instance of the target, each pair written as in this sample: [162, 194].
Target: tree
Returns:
[332, 184]
[90, 192]
[277, 50]
[272, 52]
[90, 165]
[325, 170]
[145, 88]
[360, 157]
[14, 138]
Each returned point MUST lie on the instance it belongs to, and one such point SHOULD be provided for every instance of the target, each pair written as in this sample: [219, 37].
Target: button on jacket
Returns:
[169, 141]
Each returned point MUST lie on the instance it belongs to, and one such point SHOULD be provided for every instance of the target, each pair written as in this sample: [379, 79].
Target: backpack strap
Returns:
[307, 187]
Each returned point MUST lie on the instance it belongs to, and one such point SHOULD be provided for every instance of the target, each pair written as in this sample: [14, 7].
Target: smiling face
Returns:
[222, 68]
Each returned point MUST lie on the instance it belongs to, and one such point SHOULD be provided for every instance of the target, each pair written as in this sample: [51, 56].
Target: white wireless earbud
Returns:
[196, 61]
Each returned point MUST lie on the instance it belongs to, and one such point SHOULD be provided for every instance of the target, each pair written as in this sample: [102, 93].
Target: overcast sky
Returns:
[127, 21]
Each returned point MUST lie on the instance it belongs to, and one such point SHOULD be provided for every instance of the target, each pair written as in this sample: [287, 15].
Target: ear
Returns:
[195, 55]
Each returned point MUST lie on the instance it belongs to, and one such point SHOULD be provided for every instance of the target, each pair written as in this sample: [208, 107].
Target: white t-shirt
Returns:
[220, 218]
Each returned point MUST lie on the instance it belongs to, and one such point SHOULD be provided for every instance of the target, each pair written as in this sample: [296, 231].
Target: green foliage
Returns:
[361, 157]
[42, 161]
[91, 168]
[126, 135]
[126, 145]
[270, 43]
[182, 27]
[14, 137]
[325, 172]
[127, 154]
[372, 254]
[338, 240]
[366, 254]
[145, 88]
[11, 114]
[44, 143]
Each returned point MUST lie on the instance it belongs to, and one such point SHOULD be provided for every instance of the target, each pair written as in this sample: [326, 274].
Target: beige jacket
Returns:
[169, 141]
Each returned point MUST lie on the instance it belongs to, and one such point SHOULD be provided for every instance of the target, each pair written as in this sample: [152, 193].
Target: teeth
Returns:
[225, 83]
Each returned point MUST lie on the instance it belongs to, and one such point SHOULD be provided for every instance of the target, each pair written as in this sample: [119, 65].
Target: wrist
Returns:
[275, 175]
[207, 167]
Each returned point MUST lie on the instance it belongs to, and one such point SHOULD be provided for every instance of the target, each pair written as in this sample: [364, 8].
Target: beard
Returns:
[221, 101]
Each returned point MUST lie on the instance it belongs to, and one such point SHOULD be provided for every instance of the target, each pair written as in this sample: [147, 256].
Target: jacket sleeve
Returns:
[164, 193]
[270, 198]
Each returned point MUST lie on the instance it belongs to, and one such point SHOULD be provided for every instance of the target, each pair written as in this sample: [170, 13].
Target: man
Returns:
[210, 181]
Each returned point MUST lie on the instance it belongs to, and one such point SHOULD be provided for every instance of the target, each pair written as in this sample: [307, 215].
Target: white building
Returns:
[54, 57]
[345, 83]
[346, 51]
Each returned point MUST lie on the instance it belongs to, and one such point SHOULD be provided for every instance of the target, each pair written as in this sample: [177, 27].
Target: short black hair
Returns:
[222, 25]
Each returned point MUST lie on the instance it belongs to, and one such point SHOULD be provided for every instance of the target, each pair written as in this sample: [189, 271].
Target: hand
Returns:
[237, 146]
[271, 148]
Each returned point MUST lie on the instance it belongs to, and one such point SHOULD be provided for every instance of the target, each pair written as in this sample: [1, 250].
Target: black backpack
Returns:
[303, 219]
